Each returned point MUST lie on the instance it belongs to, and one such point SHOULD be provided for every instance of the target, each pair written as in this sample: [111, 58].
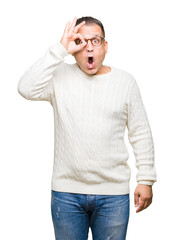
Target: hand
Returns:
[70, 34]
[145, 194]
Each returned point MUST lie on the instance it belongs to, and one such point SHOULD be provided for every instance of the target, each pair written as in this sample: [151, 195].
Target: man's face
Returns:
[98, 53]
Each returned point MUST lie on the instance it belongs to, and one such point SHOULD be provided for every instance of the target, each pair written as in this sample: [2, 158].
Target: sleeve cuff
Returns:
[59, 50]
[146, 182]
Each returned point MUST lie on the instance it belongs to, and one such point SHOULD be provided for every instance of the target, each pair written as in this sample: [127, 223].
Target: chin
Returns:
[91, 71]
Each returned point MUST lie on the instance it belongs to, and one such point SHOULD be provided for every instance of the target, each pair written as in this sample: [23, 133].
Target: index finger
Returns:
[141, 206]
[79, 26]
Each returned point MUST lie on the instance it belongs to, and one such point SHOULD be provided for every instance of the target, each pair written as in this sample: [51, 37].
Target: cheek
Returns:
[100, 56]
[80, 57]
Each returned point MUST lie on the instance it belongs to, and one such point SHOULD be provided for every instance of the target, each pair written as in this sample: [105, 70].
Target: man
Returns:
[92, 103]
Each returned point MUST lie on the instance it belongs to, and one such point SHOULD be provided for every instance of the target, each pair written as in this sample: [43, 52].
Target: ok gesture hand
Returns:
[69, 36]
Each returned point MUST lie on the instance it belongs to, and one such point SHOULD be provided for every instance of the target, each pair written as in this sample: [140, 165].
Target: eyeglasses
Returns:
[96, 41]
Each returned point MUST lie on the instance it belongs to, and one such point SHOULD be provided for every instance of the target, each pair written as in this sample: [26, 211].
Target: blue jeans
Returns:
[74, 213]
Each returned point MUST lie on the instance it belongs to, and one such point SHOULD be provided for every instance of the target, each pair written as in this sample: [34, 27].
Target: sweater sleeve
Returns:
[36, 82]
[140, 137]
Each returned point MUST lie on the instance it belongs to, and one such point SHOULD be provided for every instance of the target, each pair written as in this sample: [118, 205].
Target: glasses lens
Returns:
[77, 41]
[96, 41]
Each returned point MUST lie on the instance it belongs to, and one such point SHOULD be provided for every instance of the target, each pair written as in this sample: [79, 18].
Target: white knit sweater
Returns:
[90, 116]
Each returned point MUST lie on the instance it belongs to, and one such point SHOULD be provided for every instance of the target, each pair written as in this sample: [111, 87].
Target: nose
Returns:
[89, 45]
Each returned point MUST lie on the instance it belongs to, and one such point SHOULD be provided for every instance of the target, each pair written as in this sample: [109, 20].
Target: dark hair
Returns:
[90, 21]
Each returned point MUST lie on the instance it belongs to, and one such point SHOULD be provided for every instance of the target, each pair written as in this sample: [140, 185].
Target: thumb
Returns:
[76, 48]
[136, 199]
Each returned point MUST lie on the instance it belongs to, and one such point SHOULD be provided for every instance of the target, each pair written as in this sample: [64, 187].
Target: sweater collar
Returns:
[88, 76]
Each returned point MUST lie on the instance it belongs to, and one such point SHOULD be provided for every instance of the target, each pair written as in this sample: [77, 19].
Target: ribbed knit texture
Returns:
[91, 113]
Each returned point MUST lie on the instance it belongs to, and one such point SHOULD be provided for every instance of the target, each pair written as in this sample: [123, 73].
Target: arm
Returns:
[140, 137]
[36, 82]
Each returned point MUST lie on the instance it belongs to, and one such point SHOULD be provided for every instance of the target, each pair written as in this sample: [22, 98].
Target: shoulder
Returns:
[61, 69]
[124, 75]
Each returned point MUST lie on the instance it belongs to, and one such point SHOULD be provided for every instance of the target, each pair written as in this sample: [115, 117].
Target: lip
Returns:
[89, 67]
[90, 56]
[93, 61]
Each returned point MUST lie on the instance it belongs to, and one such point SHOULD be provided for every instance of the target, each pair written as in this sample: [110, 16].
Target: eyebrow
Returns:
[96, 35]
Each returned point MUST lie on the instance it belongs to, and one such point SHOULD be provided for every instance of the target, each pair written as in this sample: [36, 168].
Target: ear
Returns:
[106, 46]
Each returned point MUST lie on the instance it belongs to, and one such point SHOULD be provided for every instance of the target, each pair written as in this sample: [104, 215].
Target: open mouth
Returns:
[90, 62]
[90, 59]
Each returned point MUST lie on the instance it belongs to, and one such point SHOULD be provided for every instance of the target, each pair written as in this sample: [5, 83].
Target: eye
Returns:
[78, 41]
[95, 40]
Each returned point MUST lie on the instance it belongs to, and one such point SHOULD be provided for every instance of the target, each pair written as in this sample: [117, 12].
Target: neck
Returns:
[103, 70]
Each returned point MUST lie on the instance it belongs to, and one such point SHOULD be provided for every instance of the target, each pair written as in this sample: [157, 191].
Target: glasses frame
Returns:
[87, 39]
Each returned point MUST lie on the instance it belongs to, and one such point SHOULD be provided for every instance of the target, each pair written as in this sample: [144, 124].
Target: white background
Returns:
[141, 41]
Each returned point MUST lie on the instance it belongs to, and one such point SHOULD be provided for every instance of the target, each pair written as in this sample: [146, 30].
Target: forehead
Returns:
[91, 30]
